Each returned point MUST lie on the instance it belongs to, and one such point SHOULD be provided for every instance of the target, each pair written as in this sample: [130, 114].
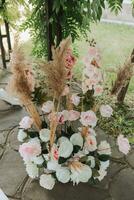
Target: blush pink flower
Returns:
[70, 60]
[88, 118]
[26, 122]
[98, 89]
[55, 152]
[106, 111]
[123, 144]
[75, 99]
[30, 150]
[61, 118]
[90, 143]
[73, 115]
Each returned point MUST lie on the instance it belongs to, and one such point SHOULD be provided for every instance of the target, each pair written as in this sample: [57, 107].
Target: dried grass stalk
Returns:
[124, 75]
[19, 84]
[76, 165]
[53, 126]
[55, 70]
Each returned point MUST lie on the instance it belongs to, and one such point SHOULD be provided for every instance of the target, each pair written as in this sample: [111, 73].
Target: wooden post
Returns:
[3, 55]
[122, 93]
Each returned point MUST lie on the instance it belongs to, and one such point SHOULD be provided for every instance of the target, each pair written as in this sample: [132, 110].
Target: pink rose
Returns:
[88, 118]
[30, 150]
[61, 118]
[55, 152]
[26, 122]
[70, 60]
[75, 99]
[73, 115]
[123, 144]
[98, 89]
[65, 91]
[106, 111]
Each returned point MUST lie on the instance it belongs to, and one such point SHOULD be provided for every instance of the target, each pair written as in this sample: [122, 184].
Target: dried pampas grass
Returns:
[55, 70]
[20, 84]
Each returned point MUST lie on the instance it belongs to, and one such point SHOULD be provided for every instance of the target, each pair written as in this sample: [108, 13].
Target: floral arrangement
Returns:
[59, 141]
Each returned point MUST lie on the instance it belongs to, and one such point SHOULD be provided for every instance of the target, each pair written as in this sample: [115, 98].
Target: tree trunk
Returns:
[59, 27]
[50, 39]
[122, 93]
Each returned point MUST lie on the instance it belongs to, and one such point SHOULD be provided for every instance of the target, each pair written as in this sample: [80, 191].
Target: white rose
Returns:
[38, 160]
[65, 149]
[104, 148]
[92, 160]
[44, 135]
[102, 174]
[47, 181]
[106, 111]
[48, 107]
[21, 135]
[82, 175]
[53, 165]
[77, 139]
[26, 122]
[75, 99]
[104, 165]
[32, 170]
[88, 118]
[63, 175]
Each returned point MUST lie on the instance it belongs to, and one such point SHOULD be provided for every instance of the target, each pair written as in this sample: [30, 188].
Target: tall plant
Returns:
[52, 20]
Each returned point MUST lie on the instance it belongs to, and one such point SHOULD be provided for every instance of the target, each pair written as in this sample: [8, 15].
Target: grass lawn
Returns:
[115, 42]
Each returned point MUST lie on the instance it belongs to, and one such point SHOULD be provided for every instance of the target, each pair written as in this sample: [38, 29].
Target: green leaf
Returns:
[76, 148]
[104, 157]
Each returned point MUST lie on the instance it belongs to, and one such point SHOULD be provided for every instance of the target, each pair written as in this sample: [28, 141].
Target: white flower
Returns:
[123, 144]
[26, 122]
[53, 165]
[48, 107]
[63, 174]
[88, 118]
[44, 135]
[75, 99]
[38, 160]
[98, 89]
[32, 170]
[92, 160]
[102, 174]
[77, 139]
[65, 114]
[65, 149]
[106, 111]
[46, 156]
[21, 135]
[104, 148]
[81, 175]
[73, 115]
[104, 165]
[47, 181]
[91, 131]
[90, 144]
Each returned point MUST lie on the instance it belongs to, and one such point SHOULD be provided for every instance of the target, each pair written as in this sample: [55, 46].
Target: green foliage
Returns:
[121, 122]
[9, 10]
[74, 18]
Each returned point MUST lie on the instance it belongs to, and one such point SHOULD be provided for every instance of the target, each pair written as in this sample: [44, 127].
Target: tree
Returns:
[53, 20]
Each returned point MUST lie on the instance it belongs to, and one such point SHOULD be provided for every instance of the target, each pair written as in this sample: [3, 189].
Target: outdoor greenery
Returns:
[71, 17]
